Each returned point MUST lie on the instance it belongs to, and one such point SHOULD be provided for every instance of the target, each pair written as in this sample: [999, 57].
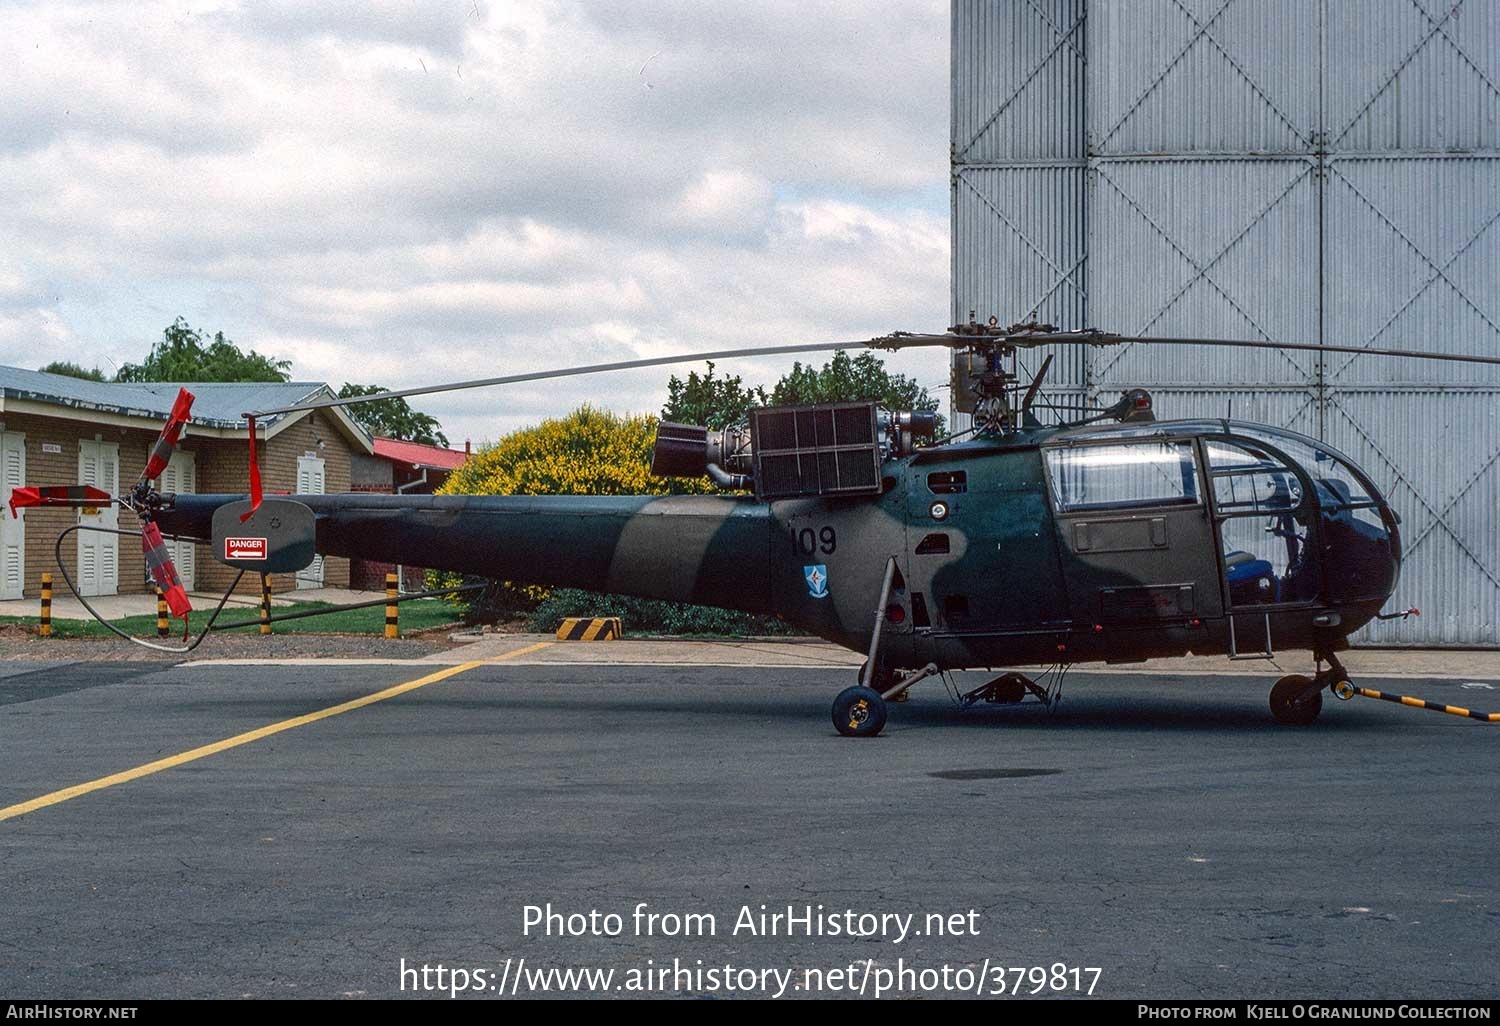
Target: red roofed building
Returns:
[420, 457]
[399, 468]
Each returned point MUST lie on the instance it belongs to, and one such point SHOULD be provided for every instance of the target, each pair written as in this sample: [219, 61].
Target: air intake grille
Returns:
[832, 449]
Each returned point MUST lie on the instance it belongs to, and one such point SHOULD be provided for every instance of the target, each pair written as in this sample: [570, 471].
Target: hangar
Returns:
[1319, 171]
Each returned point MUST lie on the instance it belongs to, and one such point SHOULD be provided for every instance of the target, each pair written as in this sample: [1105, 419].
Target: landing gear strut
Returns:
[860, 711]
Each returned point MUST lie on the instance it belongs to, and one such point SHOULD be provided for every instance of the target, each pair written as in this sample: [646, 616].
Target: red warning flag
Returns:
[255, 488]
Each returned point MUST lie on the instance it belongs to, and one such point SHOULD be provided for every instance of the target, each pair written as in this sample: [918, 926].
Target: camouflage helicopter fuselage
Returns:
[991, 570]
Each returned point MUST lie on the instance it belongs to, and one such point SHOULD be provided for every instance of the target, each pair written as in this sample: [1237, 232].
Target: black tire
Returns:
[1294, 703]
[859, 712]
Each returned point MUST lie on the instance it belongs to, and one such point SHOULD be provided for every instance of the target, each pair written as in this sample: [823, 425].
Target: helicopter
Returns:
[1108, 538]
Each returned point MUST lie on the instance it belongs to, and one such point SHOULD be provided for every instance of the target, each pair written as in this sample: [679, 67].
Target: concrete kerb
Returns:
[814, 654]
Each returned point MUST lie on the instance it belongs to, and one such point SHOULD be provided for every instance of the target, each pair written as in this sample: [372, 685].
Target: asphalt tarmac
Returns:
[1160, 830]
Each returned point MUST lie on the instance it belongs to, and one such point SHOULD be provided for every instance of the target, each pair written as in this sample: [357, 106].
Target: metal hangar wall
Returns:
[1294, 170]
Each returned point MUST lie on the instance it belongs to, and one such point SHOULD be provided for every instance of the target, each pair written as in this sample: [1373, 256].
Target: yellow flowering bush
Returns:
[588, 452]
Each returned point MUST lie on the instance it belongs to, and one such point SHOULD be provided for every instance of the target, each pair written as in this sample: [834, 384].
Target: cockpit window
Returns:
[1247, 479]
[1131, 475]
[1337, 483]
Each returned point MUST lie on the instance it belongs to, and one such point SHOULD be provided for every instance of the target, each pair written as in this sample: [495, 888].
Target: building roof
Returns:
[216, 405]
[418, 455]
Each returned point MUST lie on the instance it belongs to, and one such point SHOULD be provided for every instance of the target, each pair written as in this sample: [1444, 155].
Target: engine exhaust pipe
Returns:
[681, 450]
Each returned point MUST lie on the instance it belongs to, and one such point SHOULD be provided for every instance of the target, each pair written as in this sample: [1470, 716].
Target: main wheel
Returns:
[858, 712]
[1293, 702]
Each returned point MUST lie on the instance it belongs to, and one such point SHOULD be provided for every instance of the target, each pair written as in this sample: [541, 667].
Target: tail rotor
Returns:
[143, 500]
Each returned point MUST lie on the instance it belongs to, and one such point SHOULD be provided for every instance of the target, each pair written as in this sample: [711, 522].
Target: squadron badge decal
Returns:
[817, 580]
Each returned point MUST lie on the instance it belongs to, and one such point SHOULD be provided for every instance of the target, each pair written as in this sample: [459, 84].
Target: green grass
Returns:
[415, 615]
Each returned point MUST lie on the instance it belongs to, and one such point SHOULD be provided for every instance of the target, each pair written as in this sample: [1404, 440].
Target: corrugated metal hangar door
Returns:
[1278, 169]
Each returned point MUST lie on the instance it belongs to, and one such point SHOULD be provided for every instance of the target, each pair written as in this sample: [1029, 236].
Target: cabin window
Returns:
[948, 482]
[1123, 476]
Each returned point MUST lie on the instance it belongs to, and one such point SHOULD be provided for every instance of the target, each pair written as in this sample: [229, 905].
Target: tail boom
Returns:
[710, 550]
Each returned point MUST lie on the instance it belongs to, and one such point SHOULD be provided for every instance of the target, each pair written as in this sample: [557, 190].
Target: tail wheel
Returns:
[859, 712]
[1295, 701]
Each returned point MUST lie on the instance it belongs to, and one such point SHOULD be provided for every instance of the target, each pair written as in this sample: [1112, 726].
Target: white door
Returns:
[311, 480]
[12, 531]
[181, 478]
[98, 551]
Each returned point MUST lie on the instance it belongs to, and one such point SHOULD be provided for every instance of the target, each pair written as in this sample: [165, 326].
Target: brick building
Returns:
[57, 430]
[399, 468]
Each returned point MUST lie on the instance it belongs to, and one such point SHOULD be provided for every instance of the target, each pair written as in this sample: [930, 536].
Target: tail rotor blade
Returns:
[161, 454]
[164, 571]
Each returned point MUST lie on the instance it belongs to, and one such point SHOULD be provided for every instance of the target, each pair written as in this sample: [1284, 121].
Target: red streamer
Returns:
[255, 492]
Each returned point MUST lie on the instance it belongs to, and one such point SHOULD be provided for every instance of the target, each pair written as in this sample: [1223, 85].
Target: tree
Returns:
[709, 401]
[845, 380]
[393, 418]
[73, 370]
[719, 402]
[181, 355]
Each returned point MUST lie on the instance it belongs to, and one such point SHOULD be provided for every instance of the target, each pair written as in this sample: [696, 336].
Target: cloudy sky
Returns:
[401, 192]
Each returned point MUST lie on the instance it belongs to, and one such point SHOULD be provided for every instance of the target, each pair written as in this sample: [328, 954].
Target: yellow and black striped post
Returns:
[161, 613]
[392, 610]
[45, 630]
[265, 603]
[583, 628]
[1345, 690]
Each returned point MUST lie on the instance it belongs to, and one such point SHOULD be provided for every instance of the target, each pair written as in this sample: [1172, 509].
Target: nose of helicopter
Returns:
[1361, 538]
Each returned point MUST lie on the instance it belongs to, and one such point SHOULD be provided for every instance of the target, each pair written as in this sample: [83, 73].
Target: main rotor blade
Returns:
[891, 342]
[1098, 338]
[899, 340]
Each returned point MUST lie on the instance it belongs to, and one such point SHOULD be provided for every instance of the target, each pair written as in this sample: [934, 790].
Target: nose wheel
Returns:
[1297, 700]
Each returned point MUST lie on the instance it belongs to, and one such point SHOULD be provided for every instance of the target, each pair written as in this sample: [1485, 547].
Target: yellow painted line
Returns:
[193, 755]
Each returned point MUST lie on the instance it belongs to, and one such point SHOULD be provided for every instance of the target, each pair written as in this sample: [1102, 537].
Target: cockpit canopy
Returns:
[1270, 492]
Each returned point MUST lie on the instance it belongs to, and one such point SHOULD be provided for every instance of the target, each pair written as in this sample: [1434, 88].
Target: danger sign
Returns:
[244, 548]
